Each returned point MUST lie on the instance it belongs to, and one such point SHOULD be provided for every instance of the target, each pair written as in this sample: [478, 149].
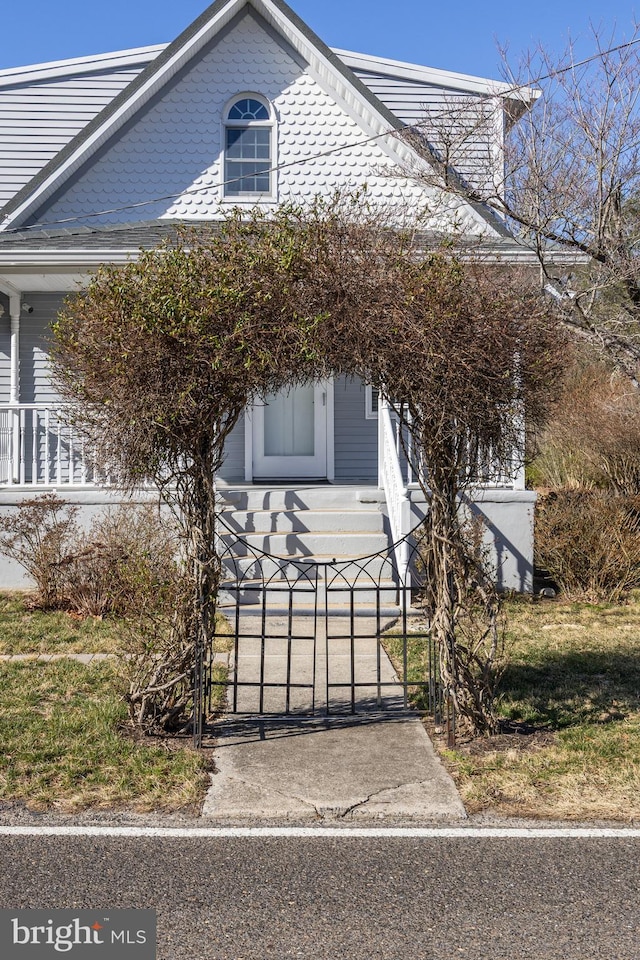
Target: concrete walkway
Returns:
[371, 766]
[368, 766]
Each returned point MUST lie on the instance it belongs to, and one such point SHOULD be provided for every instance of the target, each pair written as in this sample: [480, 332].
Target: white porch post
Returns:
[248, 444]
[382, 404]
[14, 385]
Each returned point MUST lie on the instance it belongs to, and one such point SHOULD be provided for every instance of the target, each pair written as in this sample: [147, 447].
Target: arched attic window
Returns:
[248, 147]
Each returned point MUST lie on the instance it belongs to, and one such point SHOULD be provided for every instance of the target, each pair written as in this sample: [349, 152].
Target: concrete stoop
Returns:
[306, 525]
[307, 522]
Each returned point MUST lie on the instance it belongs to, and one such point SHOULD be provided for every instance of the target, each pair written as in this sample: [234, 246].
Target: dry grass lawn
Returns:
[64, 744]
[570, 699]
[25, 630]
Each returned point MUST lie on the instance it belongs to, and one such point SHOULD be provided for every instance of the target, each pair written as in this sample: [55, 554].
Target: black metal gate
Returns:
[309, 638]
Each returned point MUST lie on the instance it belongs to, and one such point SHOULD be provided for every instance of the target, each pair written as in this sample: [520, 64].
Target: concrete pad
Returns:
[329, 768]
[378, 763]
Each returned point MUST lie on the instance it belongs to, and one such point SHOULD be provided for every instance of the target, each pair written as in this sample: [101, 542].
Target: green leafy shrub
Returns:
[589, 541]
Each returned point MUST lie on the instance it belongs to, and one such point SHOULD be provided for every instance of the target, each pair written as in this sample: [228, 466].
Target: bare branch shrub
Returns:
[127, 564]
[123, 565]
[589, 541]
[477, 652]
[474, 350]
[593, 439]
[40, 534]
[162, 356]
[158, 659]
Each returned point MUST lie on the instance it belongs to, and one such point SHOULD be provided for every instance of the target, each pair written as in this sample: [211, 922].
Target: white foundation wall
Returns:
[507, 515]
[90, 503]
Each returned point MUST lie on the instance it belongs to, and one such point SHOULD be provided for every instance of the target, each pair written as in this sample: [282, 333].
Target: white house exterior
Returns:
[102, 155]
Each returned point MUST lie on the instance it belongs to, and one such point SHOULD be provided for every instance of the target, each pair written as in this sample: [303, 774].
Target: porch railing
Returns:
[395, 486]
[39, 447]
[395, 460]
[396, 478]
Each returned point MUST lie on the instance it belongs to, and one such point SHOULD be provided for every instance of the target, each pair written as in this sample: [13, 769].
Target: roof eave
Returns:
[438, 77]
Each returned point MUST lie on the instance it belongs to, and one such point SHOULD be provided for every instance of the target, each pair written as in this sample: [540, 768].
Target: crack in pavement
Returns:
[324, 812]
[260, 790]
[377, 793]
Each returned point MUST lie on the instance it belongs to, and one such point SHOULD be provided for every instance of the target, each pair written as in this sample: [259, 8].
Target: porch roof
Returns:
[80, 245]
[63, 259]
[122, 236]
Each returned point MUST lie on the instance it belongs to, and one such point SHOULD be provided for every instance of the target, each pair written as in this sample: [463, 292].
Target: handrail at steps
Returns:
[398, 504]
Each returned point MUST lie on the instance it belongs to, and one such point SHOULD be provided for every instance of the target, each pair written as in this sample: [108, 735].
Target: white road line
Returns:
[383, 833]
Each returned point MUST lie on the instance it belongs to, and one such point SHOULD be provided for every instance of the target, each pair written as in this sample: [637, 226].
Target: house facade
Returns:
[103, 155]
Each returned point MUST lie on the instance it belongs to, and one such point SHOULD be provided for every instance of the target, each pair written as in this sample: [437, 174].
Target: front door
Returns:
[290, 434]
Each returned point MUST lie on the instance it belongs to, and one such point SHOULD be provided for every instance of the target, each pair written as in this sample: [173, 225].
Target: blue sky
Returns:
[457, 36]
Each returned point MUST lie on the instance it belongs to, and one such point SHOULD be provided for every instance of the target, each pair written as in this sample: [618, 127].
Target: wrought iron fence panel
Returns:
[312, 637]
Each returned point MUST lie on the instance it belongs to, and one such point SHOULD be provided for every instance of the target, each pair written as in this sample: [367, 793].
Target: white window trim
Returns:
[249, 199]
[369, 412]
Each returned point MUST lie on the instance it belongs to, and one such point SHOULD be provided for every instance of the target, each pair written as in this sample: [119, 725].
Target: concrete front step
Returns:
[310, 543]
[245, 522]
[310, 534]
[293, 569]
[303, 595]
[388, 612]
[300, 497]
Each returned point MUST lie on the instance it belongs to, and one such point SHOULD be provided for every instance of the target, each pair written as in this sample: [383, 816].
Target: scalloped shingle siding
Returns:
[175, 147]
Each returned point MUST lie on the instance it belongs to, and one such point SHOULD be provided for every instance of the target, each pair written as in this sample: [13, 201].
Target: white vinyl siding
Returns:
[38, 119]
[356, 437]
[469, 117]
[168, 159]
[43, 108]
[233, 466]
[35, 338]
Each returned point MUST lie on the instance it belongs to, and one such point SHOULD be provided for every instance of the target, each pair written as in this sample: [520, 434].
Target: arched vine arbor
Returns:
[163, 355]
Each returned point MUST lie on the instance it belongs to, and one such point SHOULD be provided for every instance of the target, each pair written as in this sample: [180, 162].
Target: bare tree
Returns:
[569, 185]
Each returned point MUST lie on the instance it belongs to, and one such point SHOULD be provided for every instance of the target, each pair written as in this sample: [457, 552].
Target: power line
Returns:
[572, 66]
[432, 118]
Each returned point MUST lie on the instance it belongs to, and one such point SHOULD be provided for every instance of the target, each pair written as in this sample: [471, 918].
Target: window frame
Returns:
[370, 412]
[253, 197]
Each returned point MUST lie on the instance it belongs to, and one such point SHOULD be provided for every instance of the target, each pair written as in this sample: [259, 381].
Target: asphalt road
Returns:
[353, 898]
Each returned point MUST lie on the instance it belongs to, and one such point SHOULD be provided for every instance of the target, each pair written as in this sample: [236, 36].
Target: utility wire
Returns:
[432, 118]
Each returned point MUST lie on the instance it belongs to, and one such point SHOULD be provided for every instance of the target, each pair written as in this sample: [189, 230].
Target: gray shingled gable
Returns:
[112, 108]
[154, 67]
